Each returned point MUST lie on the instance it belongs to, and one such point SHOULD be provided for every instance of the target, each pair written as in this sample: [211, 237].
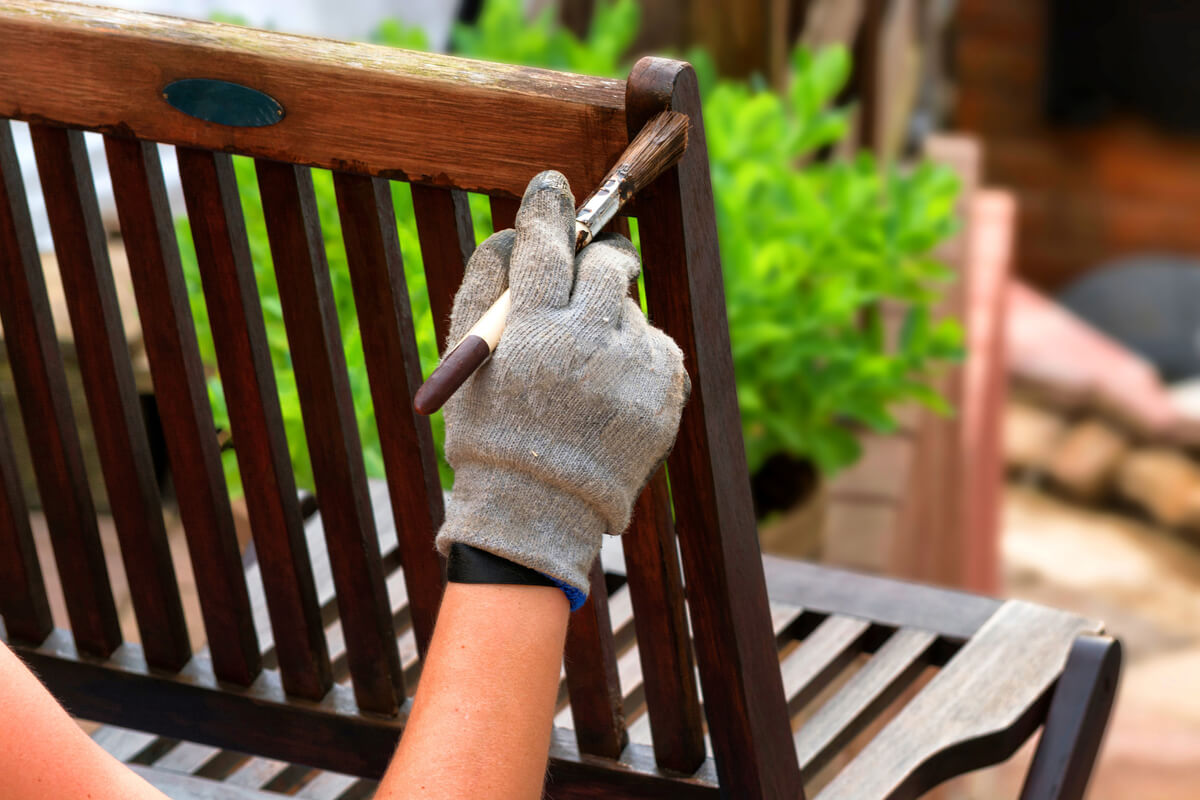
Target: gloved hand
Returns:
[552, 439]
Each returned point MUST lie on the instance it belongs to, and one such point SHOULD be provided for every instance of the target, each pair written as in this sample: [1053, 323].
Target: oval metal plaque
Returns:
[223, 102]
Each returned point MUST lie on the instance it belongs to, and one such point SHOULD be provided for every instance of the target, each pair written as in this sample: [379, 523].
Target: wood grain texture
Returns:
[49, 423]
[819, 659]
[354, 107]
[1076, 721]
[104, 364]
[660, 617]
[180, 391]
[891, 669]
[248, 380]
[976, 711]
[592, 683]
[330, 426]
[23, 602]
[326, 735]
[955, 615]
[390, 349]
[447, 236]
[727, 598]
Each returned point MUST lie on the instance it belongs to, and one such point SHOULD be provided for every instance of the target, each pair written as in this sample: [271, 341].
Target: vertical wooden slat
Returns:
[504, 211]
[171, 346]
[306, 294]
[108, 383]
[49, 425]
[447, 240]
[591, 663]
[390, 349]
[23, 601]
[239, 337]
[727, 598]
[665, 646]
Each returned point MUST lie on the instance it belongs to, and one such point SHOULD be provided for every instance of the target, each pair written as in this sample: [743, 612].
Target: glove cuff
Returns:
[514, 515]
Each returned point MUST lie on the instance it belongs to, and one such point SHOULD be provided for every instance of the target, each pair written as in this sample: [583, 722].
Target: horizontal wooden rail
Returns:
[362, 108]
[317, 734]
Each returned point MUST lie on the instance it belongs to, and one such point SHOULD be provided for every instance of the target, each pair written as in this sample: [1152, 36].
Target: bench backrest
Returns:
[371, 115]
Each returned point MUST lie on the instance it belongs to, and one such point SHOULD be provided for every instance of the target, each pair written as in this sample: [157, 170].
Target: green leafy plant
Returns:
[810, 250]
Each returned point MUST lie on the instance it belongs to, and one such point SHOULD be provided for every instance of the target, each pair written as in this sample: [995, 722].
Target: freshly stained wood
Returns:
[820, 657]
[49, 424]
[182, 396]
[117, 425]
[335, 450]
[975, 711]
[727, 597]
[413, 116]
[23, 602]
[504, 212]
[889, 671]
[390, 349]
[248, 381]
[591, 665]
[327, 735]
[1075, 723]
[447, 236]
[668, 668]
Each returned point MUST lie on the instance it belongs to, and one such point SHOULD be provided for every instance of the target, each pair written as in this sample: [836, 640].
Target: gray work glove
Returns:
[552, 439]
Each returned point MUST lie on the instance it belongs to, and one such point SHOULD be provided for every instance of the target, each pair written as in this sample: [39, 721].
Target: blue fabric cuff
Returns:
[574, 596]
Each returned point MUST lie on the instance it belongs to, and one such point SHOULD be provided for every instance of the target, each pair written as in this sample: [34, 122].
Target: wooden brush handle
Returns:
[656, 148]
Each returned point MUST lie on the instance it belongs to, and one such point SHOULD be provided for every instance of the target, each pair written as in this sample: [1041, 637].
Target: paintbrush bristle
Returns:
[656, 148]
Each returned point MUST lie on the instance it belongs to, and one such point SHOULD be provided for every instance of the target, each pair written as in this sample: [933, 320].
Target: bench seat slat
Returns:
[984, 702]
[891, 669]
[819, 658]
[189, 787]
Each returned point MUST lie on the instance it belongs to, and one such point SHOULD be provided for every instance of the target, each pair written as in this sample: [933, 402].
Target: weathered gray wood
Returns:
[891, 669]
[328, 786]
[123, 744]
[954, 615]
[189, 787]
[975, 711]
[256, 773]
[820, 657]
[187, 757]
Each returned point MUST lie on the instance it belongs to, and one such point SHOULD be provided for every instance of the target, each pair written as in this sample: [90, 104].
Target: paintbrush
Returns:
[656, 148]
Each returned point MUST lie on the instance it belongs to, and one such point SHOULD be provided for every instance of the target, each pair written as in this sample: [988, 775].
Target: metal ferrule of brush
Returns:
[599, 210]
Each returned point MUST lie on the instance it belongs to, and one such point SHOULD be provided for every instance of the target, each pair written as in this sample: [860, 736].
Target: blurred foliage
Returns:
[809, 254]
[809, 250]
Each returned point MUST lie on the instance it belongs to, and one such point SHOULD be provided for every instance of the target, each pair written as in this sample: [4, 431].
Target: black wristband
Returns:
[468, 564]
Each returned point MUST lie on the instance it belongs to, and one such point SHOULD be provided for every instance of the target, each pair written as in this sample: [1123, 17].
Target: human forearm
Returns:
[43, 753]
[483, 713]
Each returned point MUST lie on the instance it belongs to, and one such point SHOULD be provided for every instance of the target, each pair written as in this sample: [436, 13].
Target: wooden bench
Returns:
[756, 685]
